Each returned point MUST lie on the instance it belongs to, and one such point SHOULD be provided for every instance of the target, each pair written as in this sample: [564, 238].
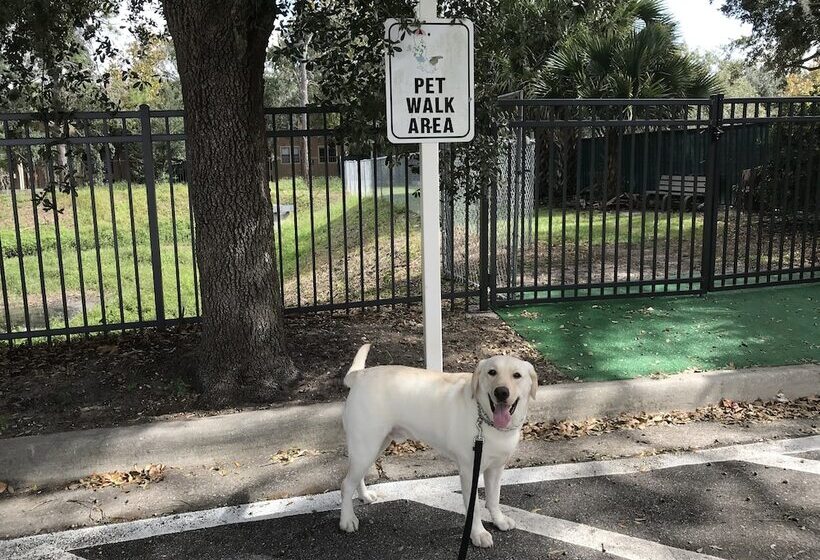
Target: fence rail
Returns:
[593, 198]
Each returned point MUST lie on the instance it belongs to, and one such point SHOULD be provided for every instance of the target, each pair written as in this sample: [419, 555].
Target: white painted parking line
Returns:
[786, 462]
[50, 553]
[579, 534]
[43, 547]
[744, 452]
[622, 546]
[602, 468]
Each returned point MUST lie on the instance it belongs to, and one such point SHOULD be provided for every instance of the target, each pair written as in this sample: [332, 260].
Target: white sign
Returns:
[429, 79]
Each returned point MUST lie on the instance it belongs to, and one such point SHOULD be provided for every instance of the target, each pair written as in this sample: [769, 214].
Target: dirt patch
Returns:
[57, 311]
[143, 376]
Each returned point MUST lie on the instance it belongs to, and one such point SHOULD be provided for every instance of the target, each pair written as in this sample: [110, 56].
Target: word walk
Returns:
[427, 113]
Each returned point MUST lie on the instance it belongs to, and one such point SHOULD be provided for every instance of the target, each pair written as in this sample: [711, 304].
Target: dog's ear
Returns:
[475, 378]
[534, 378]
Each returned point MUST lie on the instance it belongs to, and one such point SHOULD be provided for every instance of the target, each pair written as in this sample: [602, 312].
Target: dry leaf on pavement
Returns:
[727, 412]
[141, 477]
[284, 457]
[407, 447]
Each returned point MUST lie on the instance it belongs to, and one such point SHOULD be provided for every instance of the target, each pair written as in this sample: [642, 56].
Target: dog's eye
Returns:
[491, 373]
[517, 375]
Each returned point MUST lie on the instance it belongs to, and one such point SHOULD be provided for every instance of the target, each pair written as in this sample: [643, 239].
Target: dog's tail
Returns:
[357, 365]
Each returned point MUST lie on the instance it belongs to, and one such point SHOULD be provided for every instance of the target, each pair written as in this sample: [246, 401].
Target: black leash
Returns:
[478, 447]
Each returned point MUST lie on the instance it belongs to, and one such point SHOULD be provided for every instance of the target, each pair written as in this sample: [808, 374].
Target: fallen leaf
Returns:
[141, 477]
[107, 348]
[726, 412]
[286, 456]
[407, 447]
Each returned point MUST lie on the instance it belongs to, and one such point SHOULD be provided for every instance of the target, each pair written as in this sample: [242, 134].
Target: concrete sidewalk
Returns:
[54, 459]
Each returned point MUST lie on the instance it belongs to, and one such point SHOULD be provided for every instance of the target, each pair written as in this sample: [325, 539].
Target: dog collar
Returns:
[483, 418]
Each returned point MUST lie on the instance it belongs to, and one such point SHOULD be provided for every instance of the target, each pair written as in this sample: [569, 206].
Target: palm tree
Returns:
[631, 53]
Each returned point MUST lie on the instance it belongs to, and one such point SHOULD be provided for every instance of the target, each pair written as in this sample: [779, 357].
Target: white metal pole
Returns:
[430, 234]
[431, 256]
[427, 9]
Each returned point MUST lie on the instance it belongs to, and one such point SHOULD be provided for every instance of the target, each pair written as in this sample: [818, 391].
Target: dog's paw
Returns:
[503, 522]
[368, 497]
[349, 524]
[482, 538]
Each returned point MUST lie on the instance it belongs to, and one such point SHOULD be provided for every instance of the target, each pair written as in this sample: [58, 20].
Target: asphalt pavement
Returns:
[749, 501]
[403, 530]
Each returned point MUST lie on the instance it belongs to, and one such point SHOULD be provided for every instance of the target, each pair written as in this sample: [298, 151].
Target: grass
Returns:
[118, 277]
[621, 339]
[82, 271]
[600, 227]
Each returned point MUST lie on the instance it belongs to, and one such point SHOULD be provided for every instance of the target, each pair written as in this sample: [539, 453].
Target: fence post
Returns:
[483, 249]
[707, 267]
[493, 242]
[151, 198]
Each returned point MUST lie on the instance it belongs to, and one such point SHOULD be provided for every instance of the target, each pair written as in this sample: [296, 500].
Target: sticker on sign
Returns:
[429, 79]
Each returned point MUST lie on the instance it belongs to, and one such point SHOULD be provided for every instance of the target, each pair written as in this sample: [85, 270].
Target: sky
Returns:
[703, 26]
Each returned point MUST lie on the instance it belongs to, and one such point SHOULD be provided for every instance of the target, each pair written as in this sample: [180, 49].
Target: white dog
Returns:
[395, 402]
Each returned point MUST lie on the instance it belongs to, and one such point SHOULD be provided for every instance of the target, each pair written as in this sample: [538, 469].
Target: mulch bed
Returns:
[142, 376]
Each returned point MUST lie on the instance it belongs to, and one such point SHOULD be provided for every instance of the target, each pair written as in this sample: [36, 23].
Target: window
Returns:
[285, 154]
[328, 155]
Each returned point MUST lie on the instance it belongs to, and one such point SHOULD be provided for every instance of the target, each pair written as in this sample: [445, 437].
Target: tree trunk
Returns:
[220, 48]
[58, 106]
[613, 155]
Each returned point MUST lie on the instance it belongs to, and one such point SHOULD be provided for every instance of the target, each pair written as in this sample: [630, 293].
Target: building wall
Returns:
[282, 164]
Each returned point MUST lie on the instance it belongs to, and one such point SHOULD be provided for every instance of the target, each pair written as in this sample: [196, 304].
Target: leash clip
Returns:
[478, 424]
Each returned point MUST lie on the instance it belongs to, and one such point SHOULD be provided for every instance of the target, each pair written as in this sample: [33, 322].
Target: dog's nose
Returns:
[501, 394]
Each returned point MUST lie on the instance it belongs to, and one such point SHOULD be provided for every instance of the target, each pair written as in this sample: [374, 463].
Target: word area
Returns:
[424, 111]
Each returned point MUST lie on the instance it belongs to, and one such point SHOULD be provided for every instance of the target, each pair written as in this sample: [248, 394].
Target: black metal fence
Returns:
[657, 196]
[97, 233]
[592, 198]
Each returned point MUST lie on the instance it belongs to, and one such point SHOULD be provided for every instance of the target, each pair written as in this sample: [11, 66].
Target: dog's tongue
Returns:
[502, 416]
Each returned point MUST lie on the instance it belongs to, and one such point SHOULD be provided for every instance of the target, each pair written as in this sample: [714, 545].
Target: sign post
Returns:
[429, 81]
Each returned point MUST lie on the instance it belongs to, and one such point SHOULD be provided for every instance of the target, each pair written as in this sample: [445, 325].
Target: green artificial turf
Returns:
[618, 339]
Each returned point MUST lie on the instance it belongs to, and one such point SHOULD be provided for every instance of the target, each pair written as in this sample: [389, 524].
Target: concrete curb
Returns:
[685, 391]
[55, 459]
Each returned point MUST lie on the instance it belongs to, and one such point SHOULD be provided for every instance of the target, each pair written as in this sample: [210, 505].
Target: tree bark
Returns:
[220, 48]
[58, 106]
[612, 157]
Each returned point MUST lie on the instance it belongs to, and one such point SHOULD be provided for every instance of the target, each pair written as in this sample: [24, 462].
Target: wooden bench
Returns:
[684, 188]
